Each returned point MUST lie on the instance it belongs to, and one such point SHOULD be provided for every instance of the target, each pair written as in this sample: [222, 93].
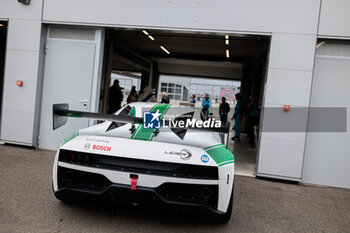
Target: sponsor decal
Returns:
[97, 140]
[151, 120]
[205, 158]
[101, 148]
[184, 154]
[87, 146]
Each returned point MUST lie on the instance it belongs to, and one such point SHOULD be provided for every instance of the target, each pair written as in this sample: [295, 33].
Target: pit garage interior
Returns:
[148, 54]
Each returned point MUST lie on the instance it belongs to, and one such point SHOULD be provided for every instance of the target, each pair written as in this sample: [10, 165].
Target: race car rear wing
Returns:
[61, 113]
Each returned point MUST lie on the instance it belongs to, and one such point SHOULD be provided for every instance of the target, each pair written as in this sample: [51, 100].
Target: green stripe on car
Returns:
[132, 112]
[75, 134]
[220, 154]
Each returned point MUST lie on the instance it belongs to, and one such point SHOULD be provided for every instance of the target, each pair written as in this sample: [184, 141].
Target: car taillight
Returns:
[77, 157]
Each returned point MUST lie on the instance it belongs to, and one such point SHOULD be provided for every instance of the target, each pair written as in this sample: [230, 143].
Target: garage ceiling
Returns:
[192, 46]
[187, 47]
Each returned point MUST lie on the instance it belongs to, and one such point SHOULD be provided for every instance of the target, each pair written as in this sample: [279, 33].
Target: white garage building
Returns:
[64, 51]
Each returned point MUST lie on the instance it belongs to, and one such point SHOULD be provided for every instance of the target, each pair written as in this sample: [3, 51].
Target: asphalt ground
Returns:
[27, 204]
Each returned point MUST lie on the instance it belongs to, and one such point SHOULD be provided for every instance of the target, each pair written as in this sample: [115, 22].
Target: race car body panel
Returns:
[137, 149]
[125, 155]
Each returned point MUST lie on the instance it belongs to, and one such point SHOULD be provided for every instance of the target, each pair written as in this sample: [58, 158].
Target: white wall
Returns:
[11, 9]
[298, 16]
[22, 63]
[327, 157]
[335, 18]
[288, 83]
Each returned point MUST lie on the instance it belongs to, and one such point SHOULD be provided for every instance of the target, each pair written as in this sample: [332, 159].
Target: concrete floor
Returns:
[245, 156]
[27, 204]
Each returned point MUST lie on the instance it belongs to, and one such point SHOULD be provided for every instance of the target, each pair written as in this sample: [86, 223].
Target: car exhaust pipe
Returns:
[68, 177]
[206, 193]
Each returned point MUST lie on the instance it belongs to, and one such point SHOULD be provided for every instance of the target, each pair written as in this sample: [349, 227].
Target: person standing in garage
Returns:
[224, 109]
[165, 98]
[115, 97]
[193, 99]
[206, 105]
[237, 116]
[132, 96]
[253, 119]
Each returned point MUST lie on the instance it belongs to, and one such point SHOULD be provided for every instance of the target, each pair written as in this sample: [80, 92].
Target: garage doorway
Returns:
[213, 56]
[3, 37]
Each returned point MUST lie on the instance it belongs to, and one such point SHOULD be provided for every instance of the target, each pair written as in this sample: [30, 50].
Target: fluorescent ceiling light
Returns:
[151, 37]
[165, 50]
[227, 53]
[226, 37]
[320, 44]
[145, 32]
[227, 42]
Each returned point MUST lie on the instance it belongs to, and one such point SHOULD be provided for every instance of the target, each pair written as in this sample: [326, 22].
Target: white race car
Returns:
[123, 159]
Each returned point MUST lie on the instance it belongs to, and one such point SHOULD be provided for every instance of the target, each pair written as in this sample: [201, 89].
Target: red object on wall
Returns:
[19, 83]
[286, 108]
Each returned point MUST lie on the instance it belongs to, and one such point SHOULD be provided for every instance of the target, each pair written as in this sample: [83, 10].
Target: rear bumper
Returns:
[169, 194]
[123, 193]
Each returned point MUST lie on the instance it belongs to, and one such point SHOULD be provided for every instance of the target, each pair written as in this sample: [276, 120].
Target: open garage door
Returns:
[215, 60]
